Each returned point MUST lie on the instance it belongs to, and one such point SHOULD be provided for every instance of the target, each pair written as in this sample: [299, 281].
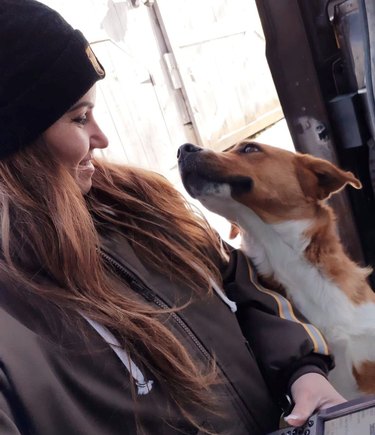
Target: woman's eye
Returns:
[251, 148]
[80, 120]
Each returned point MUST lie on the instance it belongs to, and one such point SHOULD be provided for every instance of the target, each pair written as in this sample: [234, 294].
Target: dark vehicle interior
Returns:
[322, 58]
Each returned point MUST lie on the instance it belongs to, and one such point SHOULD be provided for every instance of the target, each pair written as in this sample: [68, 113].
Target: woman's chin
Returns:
[85, 188]
[84, 181]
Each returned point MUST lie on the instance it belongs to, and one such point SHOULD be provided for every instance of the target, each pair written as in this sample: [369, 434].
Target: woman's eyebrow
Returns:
[81, 104]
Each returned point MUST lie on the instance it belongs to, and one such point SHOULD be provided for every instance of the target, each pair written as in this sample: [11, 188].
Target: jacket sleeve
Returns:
[285, 345]
[7, 424]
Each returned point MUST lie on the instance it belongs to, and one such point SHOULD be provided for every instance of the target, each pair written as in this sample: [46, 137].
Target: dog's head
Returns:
[276, 184]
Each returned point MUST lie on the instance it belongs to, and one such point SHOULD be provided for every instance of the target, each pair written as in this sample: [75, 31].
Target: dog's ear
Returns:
[319, 179]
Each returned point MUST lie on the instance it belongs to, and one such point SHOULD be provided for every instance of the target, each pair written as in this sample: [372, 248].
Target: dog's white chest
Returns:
[278, 250]
[350, 330]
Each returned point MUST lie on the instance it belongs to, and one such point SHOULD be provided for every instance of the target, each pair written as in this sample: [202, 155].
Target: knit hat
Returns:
[45, 67]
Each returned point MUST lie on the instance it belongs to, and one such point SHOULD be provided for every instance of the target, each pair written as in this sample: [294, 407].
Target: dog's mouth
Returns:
[198, 184]
[202, 178]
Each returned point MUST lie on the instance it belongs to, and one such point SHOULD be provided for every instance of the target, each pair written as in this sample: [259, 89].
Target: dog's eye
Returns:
[250, 148]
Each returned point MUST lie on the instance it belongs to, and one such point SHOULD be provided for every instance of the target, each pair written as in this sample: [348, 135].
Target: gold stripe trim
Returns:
[278, 298]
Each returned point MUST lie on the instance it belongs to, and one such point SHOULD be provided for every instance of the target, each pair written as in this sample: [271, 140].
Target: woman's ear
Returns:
[319, 178]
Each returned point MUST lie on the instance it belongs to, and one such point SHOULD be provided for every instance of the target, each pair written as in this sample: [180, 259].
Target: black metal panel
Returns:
[316, 78]
[347, 113]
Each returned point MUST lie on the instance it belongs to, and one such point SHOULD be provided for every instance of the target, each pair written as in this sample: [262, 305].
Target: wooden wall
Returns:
[177, 71]
[218, 47]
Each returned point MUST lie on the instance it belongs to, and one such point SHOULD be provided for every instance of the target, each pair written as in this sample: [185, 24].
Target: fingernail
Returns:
[291, 417]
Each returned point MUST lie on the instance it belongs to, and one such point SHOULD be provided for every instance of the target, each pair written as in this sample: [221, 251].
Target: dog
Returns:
[278, 200]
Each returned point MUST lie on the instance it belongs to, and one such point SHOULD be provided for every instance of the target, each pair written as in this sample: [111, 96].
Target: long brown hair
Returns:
[48, 226]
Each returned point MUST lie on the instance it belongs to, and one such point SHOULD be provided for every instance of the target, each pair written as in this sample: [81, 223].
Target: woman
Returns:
[112, 319]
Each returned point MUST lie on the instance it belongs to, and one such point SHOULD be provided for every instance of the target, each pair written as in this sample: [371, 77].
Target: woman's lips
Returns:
[86, 165]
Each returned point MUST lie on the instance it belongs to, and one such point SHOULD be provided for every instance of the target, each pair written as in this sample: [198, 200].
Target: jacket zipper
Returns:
[150, 296]
[136, 284]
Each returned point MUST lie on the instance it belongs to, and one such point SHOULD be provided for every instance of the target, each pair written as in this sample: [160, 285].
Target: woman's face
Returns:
[73, 138]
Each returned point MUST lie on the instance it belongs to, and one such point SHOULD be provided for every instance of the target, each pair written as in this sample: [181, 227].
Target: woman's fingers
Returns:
[311, 392]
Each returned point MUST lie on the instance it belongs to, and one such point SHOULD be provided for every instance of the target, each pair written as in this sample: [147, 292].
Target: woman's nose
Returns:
[99, 139]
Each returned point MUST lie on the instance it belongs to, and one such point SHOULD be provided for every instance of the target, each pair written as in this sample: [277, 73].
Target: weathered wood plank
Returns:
[219, 50]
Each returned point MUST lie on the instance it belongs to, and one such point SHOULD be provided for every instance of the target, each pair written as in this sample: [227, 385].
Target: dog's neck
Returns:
[289, 233]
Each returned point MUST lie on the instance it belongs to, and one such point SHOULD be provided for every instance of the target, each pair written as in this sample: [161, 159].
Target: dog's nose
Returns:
[187, 148]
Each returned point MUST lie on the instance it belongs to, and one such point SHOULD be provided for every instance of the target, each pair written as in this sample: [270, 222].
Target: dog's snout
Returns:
[187, 148]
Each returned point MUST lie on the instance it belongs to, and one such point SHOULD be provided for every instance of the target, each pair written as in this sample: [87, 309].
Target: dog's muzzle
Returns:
[196, 170]
[188, 156]
[187, 149]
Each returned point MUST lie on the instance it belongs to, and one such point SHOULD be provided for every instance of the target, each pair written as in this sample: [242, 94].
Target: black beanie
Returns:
[45, 67]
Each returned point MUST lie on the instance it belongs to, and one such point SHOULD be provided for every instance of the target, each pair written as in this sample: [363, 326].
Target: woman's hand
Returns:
[310, 393]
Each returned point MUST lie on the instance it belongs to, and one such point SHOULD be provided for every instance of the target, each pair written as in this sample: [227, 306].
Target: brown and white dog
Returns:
[277, 198]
